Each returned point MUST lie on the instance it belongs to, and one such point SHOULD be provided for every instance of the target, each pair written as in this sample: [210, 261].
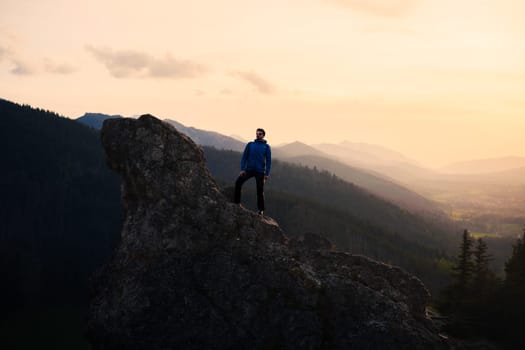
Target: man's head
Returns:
[260, 133]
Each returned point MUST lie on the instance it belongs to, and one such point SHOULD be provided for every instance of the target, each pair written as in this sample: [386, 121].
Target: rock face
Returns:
[194, 271]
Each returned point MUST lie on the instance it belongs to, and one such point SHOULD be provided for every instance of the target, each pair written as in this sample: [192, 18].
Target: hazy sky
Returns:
[438, 80]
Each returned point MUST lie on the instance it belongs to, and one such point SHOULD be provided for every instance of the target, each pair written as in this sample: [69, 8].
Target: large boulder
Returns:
[195, 271]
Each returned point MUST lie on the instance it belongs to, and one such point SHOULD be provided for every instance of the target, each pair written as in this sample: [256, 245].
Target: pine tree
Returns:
[464, 267]
[481, 271]
[512, 303]
[453, 297]
[515, 267]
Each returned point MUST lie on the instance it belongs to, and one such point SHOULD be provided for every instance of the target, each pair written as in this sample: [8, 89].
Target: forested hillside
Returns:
[59, 207]
[378, 184]
[309, 200]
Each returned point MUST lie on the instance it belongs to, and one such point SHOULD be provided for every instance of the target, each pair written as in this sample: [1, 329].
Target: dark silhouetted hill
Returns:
[59, 215]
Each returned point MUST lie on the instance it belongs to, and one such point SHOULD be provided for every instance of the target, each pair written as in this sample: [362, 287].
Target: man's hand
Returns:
[242, 173]
[265, 178]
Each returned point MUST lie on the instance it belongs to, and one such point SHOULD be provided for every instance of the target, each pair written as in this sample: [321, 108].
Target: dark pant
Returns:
[259, 180]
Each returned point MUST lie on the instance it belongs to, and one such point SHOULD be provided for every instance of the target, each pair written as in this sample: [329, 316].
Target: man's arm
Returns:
[268, 161]
[244, 158]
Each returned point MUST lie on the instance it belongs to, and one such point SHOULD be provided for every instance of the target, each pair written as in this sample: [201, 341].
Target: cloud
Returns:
[129, 64]
[172, 68]
[261, 84]
[59, 68]
[19, 65]
[384, 8]
[21, 68]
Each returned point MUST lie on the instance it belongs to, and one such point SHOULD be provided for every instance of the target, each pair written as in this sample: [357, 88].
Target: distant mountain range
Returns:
[512, 176]
[201, 137]
[209, 138]
[378, 158]
[320, 157]
[487, 194]
[95, 120]
[364, 154]
[372, 181]
[492, 184]
[298, 149]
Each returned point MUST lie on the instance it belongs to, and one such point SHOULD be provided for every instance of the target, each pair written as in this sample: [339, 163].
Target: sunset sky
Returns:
[438, 80]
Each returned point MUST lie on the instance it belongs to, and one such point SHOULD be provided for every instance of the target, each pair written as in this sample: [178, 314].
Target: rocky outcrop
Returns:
[194, 271]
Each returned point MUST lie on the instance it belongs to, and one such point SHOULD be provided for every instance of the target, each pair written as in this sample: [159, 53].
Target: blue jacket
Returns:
[257, 157]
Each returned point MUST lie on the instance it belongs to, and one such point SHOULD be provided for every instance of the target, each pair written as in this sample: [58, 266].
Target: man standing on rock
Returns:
[256, 162]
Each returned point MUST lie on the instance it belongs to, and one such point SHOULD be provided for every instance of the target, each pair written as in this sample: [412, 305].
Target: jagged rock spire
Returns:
[195, 271]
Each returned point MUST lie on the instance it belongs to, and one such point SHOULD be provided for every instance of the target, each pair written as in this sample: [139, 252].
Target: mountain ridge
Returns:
[297, 152]
[375, 183]
[209, 138]
[296, 149]
[95, 120]
[364, 154]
